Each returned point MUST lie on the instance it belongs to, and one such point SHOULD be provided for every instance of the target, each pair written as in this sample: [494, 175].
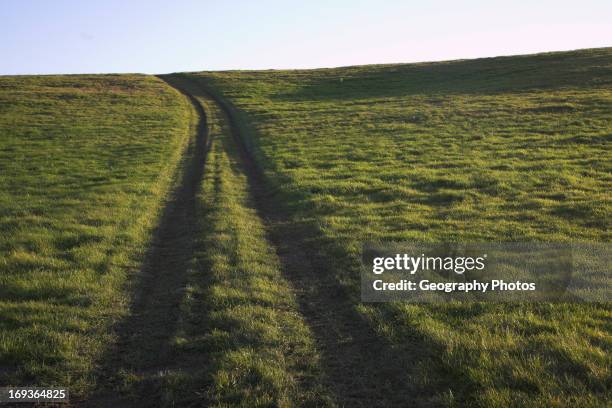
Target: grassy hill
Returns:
[203, 249]
[500, 149]
[85, 162]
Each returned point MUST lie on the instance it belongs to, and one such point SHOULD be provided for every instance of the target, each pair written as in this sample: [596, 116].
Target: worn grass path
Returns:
[233, 309]
[360, 368]
[213, 322]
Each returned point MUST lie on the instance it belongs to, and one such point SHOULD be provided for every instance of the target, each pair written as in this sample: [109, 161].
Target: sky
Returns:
[162, 36]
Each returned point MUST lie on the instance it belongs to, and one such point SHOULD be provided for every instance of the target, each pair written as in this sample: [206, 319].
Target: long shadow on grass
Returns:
[362, 368]
[133, 369]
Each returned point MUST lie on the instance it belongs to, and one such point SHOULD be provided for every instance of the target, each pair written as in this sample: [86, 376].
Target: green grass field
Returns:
[85, 162]
[504, 149]
[203, 249]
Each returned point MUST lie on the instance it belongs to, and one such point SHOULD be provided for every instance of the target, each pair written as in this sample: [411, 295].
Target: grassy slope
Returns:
[239, 338]
[513, 148]
[84, 164]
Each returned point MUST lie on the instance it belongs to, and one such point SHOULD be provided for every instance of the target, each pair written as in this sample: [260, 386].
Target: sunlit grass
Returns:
[85, 162]
[505, 149]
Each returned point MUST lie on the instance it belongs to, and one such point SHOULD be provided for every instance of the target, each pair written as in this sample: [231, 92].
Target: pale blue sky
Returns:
[155, 36]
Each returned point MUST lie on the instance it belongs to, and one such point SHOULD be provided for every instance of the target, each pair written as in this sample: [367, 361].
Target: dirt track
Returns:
[360, 368]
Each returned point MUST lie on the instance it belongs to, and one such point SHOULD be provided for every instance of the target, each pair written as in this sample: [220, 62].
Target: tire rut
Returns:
[144, 338]
[362, 368]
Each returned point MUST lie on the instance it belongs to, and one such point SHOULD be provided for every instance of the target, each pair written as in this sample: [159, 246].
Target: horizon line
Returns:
[315, 68]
